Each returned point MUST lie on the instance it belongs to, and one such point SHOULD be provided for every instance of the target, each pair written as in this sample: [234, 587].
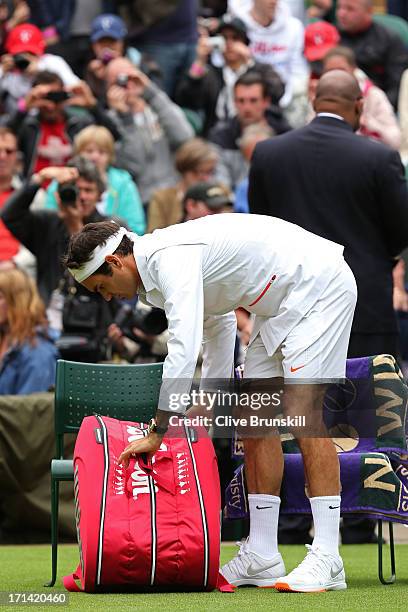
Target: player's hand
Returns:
[149, 445]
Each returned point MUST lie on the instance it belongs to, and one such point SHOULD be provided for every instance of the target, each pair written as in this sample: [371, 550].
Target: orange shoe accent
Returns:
[285, 588]
[292, 369]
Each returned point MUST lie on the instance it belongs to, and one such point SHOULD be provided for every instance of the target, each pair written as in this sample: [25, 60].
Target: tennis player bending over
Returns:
[303, 295]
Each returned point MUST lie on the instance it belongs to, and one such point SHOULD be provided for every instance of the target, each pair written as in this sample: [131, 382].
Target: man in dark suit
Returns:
[348, 189]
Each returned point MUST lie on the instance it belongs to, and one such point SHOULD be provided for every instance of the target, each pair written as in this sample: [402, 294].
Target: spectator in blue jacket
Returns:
[121, 198]
[27, 355]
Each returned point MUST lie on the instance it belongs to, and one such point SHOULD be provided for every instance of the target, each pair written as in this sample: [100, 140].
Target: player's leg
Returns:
[322, 360]
[258, 561]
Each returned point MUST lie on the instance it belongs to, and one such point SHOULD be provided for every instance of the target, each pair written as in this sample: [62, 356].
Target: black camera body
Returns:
[122, 80]
[57, 96]
[68, 193]
[151, 322]
[21, 61]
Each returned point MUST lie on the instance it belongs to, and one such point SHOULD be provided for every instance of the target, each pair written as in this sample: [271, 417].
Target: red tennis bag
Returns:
[155, 525]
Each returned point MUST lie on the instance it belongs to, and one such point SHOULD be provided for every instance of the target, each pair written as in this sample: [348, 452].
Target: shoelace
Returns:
[236, 564]
[316, 562]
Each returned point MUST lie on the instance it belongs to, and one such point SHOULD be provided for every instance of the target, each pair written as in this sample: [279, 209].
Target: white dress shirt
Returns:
[200, 271]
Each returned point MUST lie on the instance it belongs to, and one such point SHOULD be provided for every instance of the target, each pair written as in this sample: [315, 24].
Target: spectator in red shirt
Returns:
[46, 123]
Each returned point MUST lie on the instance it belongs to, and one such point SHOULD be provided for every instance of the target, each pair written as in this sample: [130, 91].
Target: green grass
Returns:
[26, 568]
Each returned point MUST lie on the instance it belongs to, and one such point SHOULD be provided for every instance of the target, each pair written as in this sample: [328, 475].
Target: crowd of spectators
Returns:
[137, 110]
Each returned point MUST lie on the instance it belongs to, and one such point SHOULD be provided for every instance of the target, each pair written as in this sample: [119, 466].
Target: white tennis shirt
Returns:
[200, 271]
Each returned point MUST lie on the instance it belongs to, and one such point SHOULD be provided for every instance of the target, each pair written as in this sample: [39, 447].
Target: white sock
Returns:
[263, 529]
[326, 518]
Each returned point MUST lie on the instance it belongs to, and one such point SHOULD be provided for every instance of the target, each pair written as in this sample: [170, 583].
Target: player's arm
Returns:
[177, 272]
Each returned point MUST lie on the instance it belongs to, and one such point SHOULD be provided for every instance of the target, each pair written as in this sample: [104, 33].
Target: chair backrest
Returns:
[395, 24]
[126, 392]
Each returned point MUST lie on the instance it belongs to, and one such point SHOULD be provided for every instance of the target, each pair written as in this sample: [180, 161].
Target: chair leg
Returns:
[392, 578]
[54, 529]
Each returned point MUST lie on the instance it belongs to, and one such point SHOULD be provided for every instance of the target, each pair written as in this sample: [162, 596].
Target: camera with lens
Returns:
[122, 80]
[151, 321]
[68, 193]
[21, 61]
[216, 43]
[57, 96]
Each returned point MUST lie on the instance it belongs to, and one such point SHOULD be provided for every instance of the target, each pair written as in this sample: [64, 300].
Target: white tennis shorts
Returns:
[316, 348]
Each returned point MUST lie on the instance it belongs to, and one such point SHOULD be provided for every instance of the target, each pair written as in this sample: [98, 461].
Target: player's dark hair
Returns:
[92, 235]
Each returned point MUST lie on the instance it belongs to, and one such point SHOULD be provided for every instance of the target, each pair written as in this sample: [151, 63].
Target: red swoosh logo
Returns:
[292, 369]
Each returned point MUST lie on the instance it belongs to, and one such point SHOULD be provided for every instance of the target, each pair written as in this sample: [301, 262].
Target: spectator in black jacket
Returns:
[47, 121]
[253, 104]
[209, 88]
[380, 53]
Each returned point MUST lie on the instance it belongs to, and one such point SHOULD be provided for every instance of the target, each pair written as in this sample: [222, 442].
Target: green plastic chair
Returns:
[395, 24]
[126, 392]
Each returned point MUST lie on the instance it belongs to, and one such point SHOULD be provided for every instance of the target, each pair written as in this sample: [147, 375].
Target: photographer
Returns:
[108, 41]
[139, 334]
[209, 88]
[46, 122]
[152, 127]
[46, 235]
[24, 59]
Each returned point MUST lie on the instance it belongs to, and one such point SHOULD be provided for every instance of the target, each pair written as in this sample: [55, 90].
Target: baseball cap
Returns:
[228, 21]
[25, 38]
[214, 195]
[320, 37]
[109, 26]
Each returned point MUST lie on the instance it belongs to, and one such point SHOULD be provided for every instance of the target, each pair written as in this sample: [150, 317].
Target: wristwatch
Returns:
[154, 428]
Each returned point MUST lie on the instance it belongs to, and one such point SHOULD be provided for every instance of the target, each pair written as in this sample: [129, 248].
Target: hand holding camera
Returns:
[203, 50]
[241, 49]
[117, 99]
[41, 95]
[98, 68]
[81, 95]
[60, 174]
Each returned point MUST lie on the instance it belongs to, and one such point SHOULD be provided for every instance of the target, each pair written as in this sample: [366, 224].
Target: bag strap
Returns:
[69, 581]
[146, 466]
[223, 585]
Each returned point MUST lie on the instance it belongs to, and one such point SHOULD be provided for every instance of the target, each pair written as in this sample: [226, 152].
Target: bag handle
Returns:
[69, 581]
[167, 484]
[223, 585]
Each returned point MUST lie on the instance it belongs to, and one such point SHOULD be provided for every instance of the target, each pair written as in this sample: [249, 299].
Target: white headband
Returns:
[98, 256]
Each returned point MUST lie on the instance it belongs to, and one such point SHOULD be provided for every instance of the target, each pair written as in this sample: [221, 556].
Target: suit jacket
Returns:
[348, 189]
